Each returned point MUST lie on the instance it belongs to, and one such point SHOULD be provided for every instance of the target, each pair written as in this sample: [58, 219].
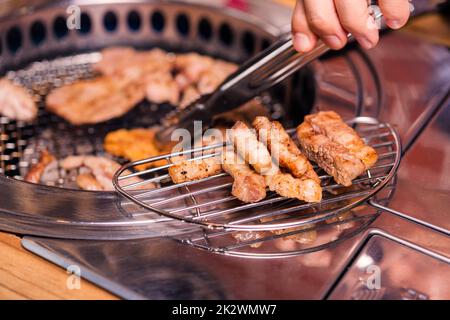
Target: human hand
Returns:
[331, 20]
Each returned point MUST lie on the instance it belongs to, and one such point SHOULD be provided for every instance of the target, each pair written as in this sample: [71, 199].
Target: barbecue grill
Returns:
[40, 52]
[59, 56]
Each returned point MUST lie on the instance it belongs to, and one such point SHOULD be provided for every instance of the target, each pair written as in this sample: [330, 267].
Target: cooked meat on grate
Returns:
[114, 59]
[201, 72]
[213, 77]
[186, 170]
[190, 94]
[135, 144]
[161, 88]
[101, 169]
[35, 173]
[175, 79]
[249, 148]
[335, 147]
[87, 181]
[153, 68]
[96, 100]
[93, 101]
[331, 125]
[15, 102]
[192, 66]
[72, 162]
[127, 61]
[287, 186]
[283, 148]
[256, 154]
[248, 186]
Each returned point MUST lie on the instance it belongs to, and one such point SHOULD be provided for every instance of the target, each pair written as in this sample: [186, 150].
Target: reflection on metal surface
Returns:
[424, 185]
[404, 273]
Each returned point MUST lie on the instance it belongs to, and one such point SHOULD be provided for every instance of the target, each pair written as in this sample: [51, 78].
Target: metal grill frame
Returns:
[360, 197]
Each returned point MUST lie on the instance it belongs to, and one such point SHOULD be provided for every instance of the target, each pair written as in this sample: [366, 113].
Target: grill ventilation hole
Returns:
[110, 21]
[248, 42]
[158, 21]
[60, 28]
[205, 29]
[183, 25]
[38, 33]
[265, 44]
[134, 21]
[85, 25]
[226, 35]
[14, 39]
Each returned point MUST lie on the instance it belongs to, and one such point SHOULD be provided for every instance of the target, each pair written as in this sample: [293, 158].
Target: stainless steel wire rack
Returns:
[209, 203]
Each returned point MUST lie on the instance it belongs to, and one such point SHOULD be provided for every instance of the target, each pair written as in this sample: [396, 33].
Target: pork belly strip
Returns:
[185, 170]
[15, 102]
[284, 148]
[287, 186]
[324, 146]
[251, 150]
[87, 181]
[101, 173]
[127, 61]
[35, 173]
[256, 154]
[95, 100]
[330, 124]
[248, 186]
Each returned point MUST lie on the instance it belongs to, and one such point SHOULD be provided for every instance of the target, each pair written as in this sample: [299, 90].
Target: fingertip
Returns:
[334, 42]
[396, 23]
[366, 42]
[396, 12]
[303, 42]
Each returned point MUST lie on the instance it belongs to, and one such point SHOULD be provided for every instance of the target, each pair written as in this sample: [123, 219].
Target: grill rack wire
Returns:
[209, 203]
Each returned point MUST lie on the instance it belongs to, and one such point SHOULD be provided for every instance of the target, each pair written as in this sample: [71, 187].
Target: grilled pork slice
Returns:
[192, 66]
[256, 154]
[35, 173]
[96, 100]
[287, 186]
[136, 144]
[190, 94]
[251, 150]
[126, 61]
[15, 102]
[186, 170]
[100, 173]
[213, 77]
[330, 124]
[153, 68]
[161, 87]
[87, 181]
[335, 147]
[248, 186]
[284, 149]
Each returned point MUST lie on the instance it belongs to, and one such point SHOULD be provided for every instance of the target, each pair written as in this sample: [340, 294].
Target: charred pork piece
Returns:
[335, 147]
[248, 186]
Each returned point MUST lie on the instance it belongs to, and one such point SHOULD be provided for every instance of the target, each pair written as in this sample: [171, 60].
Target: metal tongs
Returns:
[255, 76]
